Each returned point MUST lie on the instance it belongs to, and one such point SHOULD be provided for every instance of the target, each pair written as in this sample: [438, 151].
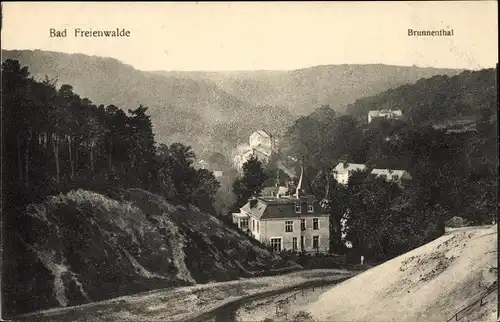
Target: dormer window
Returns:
[298, 208]
[310, 208]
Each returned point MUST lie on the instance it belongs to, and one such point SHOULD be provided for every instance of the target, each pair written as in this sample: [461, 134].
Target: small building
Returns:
[344, 170]
[296, 223]
[276, 191]
[392, 175]
[261, 138]
[260, 145]
[202, 164]
[385, 114]
[218, 173]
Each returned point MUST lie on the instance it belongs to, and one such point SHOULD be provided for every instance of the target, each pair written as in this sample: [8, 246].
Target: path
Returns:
[227, 312]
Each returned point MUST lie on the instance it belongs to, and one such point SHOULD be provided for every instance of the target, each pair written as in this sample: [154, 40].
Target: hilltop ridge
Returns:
[212, 111]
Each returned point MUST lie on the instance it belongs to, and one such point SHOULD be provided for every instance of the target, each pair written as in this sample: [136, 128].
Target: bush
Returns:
[456, 222]
[302, 316]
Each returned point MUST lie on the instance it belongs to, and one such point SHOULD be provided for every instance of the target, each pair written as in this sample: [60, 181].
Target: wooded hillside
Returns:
[454, 172]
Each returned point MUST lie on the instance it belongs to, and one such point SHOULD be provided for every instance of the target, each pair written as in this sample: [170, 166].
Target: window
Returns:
[316, 223]
[302, 224]
[298, 208]
[315, 242]
[288, 226]
[310, 208]
[276, 244]
[294, 243]
[302, 243]
[258, 227]
[244, 223]
[253, 224]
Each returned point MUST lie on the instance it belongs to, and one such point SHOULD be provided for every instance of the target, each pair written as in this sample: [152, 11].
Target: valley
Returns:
[138, 192]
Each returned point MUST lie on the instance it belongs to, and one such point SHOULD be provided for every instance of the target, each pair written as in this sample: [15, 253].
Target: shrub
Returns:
[302, 316]
[456, 222]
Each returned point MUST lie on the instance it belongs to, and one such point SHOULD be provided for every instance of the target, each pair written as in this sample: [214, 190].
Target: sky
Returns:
[223, 36]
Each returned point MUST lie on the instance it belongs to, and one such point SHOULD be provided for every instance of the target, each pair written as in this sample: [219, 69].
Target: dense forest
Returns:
[215, 111]
[454, 173]
[437, 99]
[55, 141]
[94, 208]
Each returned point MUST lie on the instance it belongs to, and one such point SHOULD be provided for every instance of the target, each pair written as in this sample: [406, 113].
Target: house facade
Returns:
[385, 114]
[344, 170]
[295, 223]
[261, 138]
[397, 176]
[260, 145]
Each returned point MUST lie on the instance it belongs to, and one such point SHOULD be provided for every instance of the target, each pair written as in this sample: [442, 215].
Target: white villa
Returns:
[261, 145]
[386, 114]
[392, 175]
[295, 222]
[344, 170]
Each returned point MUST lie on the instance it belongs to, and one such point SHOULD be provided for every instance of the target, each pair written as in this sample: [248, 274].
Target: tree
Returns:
[205, 189]
[251, 183]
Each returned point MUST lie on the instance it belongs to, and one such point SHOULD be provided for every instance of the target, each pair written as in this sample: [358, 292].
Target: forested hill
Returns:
[195, 112]
[454, 173]
[94, 208]
[437, 99]
[303, 90]
[215, 111]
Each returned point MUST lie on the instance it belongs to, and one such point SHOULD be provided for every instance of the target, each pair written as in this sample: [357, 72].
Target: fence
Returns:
[469, 308]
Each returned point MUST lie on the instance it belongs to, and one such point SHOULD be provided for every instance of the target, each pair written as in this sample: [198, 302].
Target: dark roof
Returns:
[269, 207]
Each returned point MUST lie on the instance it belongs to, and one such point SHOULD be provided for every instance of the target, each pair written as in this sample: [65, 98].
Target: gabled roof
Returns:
[269, 191]
[261, 133]
[349, 167]
[389, 173]
[281, 208]
[376, 113]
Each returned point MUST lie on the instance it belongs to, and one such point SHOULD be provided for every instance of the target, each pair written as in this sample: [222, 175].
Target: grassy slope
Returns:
[82, 246]
[430, 283]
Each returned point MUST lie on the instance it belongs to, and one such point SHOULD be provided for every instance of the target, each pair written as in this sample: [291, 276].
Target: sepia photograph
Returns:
[249, 161]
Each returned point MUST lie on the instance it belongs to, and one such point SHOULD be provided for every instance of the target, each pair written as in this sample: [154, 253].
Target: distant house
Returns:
[344, 170]
[456, 127]
[275, 191]
[261, 145]
[392, 175]
[218, 174]
[385, 114]
[202, 164]
[261, 138]
[296, 223]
